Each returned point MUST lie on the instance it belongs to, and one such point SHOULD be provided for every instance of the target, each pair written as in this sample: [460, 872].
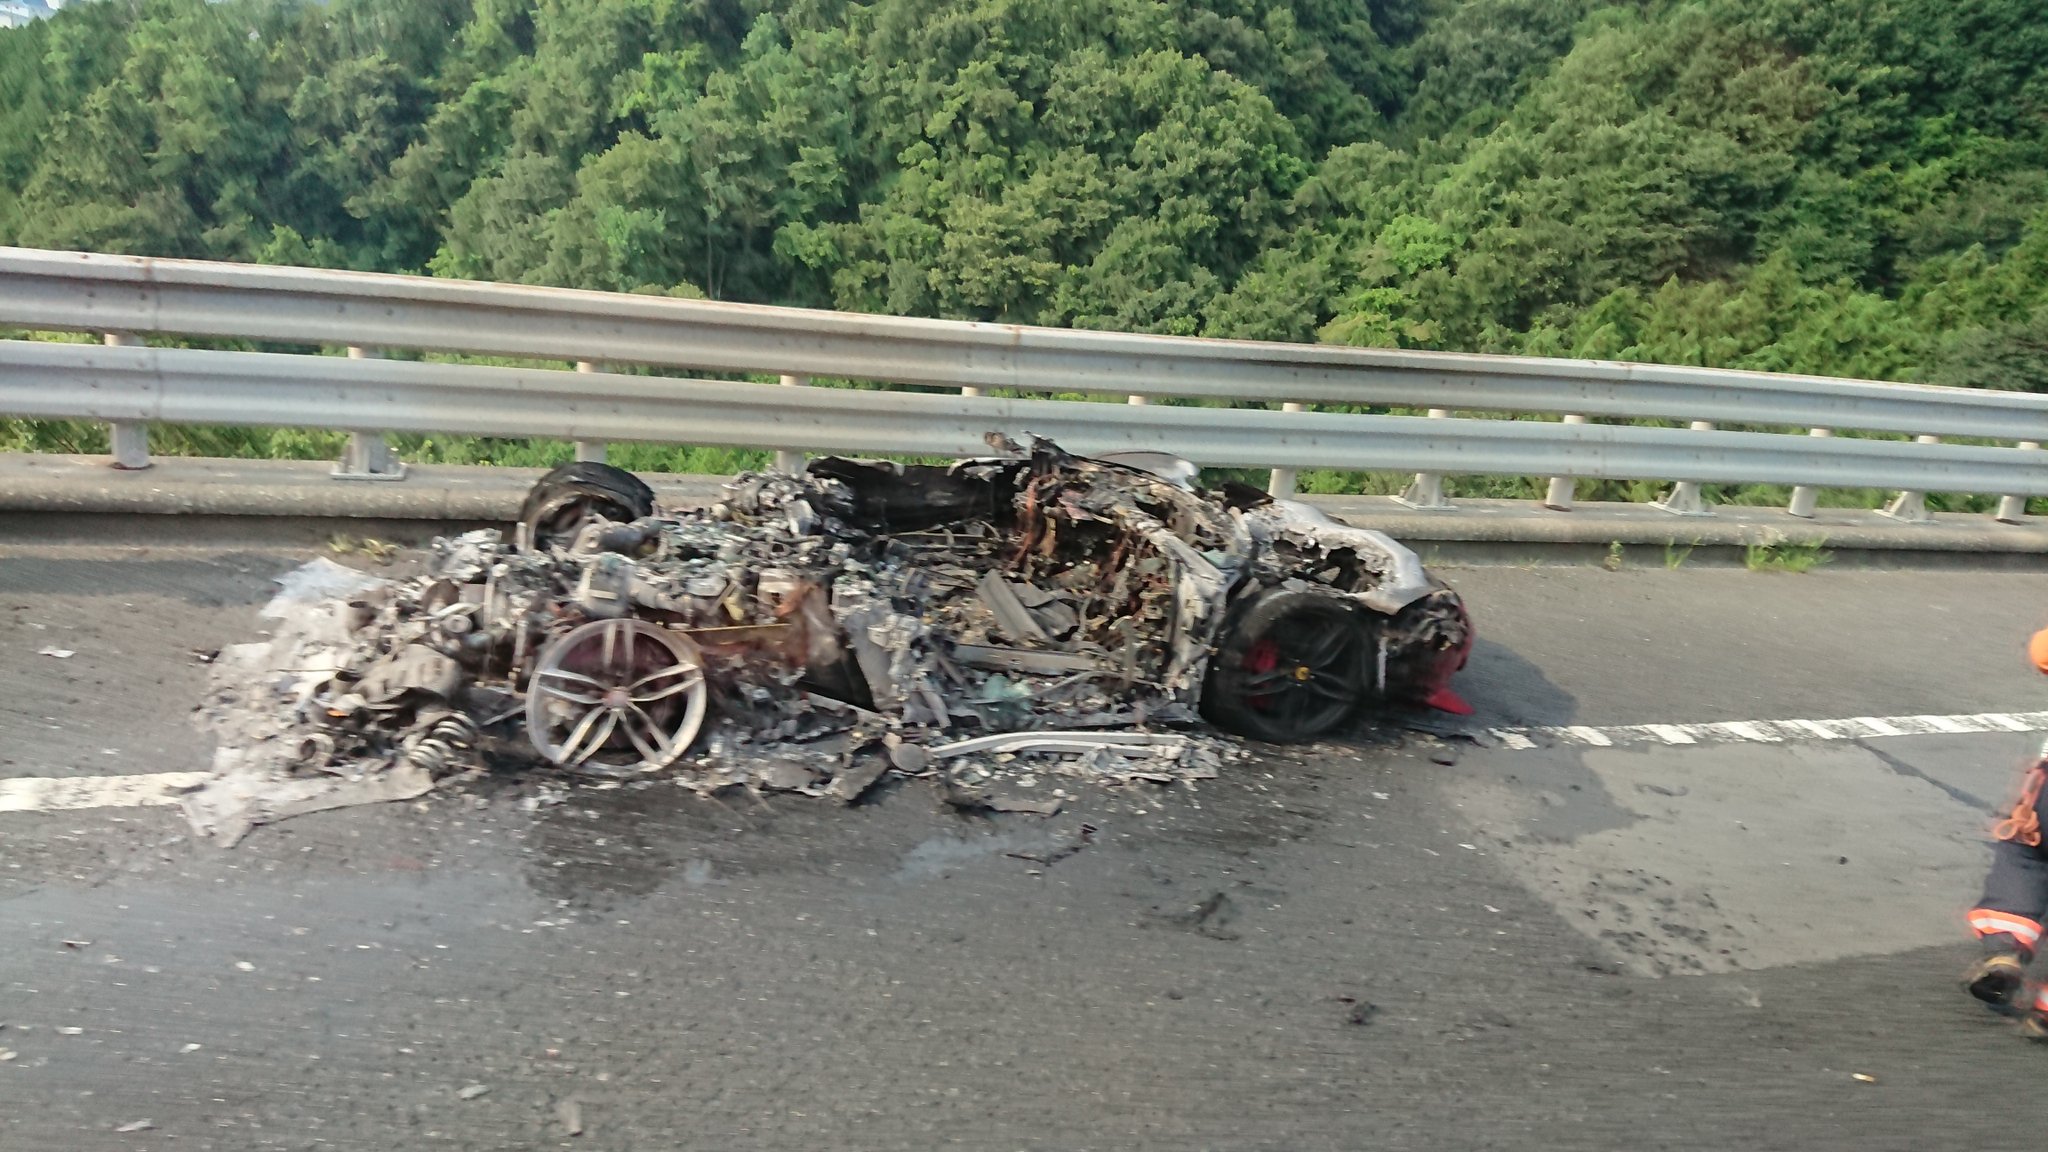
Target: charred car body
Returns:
[1028, 591]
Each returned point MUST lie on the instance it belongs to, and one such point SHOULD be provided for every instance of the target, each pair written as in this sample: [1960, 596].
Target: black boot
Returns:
[1996, 979]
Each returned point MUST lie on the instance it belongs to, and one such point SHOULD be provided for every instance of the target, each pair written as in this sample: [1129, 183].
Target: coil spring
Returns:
[445, 746]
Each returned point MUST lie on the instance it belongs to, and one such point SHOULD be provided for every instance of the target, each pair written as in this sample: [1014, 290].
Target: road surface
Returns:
[1388, 942]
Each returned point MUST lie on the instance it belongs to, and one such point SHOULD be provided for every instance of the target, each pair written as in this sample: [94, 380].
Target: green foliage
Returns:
[1840, 188]
[1786, 556]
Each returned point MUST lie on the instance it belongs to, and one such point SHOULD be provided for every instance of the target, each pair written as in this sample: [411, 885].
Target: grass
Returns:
[1675, 557]
[1786, 556]
[81, 438]
[378, 550]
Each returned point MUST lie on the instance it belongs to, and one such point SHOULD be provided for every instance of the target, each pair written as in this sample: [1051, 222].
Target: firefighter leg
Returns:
[2008, 918]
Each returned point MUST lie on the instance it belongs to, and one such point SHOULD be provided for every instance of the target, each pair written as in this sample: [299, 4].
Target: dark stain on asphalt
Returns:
[1904, 769]
[1211, 917]
[222, 580]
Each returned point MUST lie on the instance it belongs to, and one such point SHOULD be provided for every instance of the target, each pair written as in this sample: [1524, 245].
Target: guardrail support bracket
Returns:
[1280, 484]
[1684, 497]
[2013, 509]
[1683, 500]
[1558, 495]
[127, 440]
[791, 460]
[590, 451]
[1909, 508]
[130, 445]
[369, 457]
[1805, 497]
[1425, 493]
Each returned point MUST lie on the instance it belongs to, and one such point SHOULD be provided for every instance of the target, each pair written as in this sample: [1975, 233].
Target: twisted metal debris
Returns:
[813, 632]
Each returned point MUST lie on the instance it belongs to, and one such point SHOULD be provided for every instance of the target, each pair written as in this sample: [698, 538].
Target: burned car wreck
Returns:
[1028, 599]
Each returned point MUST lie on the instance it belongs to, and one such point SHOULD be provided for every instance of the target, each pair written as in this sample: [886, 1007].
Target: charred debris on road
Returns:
[1031, 613]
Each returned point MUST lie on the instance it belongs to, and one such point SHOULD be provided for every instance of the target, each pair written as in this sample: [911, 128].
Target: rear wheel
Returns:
[564, 500]
[1293, 666]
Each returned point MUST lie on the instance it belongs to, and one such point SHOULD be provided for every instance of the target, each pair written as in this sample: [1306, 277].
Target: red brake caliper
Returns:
[1263, 657]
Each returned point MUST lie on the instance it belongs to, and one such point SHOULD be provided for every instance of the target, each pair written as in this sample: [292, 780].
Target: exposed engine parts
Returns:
[867, 609]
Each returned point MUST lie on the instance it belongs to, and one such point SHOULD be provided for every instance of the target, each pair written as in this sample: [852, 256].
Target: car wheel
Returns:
[561, 502]
[1292, 666]
[615, 696]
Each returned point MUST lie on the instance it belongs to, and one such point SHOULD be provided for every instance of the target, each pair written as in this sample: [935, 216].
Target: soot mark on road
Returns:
[1904, 769]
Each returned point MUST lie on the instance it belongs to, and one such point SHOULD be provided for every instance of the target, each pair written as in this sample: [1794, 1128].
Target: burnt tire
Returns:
[561, 502]
[1292, 666]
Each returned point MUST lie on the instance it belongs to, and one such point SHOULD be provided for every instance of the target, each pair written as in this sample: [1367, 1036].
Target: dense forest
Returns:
[1853, 187]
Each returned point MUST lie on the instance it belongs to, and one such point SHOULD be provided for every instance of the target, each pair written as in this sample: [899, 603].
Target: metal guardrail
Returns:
[136, 384]
[129, 296]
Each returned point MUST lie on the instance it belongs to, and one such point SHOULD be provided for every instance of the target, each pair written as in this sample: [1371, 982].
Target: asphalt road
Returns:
[1349, 946]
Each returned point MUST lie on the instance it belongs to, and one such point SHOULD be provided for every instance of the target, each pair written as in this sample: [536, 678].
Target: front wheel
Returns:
[616, 696]
[1292, 666]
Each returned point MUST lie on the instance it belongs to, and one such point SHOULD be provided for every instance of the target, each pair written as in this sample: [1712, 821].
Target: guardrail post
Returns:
[591, 450]
[1562, 488]
[1684, 498]
[1911, 507]
[1805, 497]
[791, 460]
[2013, 509]
[969, 390]
[1139, 400]
[368, 455]
[1426, 491]
[127, 439]
[1281, 482]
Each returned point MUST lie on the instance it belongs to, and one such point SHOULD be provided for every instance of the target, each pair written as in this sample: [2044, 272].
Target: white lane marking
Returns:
[1774, 731]
[62, 793]
[1671, 733]
[66, 793]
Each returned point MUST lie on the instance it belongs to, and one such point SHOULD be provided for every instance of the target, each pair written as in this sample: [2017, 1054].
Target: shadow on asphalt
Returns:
[1506, 689]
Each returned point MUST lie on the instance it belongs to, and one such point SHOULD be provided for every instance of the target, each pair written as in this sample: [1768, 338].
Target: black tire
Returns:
[561, 502]
[1292, 666]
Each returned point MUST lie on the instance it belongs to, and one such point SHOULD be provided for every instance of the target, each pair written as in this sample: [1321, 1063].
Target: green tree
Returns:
[179, 151]
[1844, 188]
